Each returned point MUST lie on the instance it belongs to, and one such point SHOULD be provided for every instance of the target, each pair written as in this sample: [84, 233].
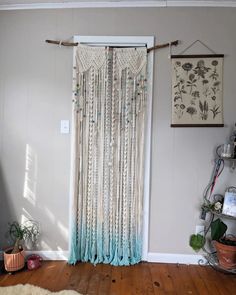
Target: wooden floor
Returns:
[143, 278]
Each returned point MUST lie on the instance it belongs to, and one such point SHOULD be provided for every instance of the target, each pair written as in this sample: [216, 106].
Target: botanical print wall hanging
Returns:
[197, 87]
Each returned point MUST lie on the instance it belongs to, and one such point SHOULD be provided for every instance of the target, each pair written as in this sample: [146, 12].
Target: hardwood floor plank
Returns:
[13, 279]
[95, 279]
[165, 278]
[116, 280]
[141, 279]
[85, 274]
[105, 284]
[182, 279]
[74, 277]
[175, 274]
[127, 280]
[196, 279]
[229, 282]
[222, 288]
[157, 279]
[211, 286]
[64, 280]
[44, 276]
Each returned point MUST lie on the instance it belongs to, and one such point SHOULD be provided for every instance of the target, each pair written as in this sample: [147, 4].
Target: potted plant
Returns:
[225, 244]
[14, 257]
[197, 241]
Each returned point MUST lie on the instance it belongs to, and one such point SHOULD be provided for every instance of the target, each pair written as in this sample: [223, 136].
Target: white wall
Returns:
[35, 93]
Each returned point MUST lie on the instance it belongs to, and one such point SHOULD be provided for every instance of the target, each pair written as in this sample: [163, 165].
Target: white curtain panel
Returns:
[109, 117]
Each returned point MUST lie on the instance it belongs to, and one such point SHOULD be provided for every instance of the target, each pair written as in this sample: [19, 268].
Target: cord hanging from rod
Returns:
[193, 43]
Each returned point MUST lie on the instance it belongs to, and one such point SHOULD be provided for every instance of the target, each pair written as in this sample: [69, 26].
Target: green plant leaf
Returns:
[196, 242]
[218, 229]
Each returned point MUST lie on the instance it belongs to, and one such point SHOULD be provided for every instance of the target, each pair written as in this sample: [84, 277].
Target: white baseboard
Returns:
[51, 255]
[174, 258]
[46, 255]
[151, 257]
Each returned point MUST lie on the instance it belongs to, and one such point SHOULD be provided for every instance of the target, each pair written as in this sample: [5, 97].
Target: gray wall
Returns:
[35, 93]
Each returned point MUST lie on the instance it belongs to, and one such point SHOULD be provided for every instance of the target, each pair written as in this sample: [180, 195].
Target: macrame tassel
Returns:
[73, 257]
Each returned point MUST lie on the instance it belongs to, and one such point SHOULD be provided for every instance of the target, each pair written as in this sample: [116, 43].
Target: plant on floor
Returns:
[225, 245]
[18, 233]
[14, 257]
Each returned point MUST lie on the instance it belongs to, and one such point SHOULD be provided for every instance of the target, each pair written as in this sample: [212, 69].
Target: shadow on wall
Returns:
[6, 211]
[30, 206]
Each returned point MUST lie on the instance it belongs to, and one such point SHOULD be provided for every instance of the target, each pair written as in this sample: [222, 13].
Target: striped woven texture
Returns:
[14, 262]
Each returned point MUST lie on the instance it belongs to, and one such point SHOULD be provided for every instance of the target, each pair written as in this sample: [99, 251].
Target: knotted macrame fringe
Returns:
[109, 116]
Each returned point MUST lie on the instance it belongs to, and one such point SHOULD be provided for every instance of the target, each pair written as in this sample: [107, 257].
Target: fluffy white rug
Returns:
[31, 290]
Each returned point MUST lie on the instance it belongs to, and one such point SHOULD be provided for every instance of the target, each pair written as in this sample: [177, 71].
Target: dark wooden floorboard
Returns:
[197, 280]
[141, 279]
[105, 284]
[116, 278]
[165, 279]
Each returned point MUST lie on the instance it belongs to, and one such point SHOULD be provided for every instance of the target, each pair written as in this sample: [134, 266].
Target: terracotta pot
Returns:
[13, 262]
[226, 255]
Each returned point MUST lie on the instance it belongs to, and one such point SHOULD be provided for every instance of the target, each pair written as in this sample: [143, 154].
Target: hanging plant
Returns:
[197, 242]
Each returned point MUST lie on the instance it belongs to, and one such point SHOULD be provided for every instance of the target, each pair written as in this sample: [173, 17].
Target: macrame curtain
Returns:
[109, 117]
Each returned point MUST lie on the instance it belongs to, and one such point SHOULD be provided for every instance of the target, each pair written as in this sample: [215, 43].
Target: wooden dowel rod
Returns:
[175, 43]
[64, 43]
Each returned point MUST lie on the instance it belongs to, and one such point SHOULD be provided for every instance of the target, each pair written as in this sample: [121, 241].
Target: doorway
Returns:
[120, 41]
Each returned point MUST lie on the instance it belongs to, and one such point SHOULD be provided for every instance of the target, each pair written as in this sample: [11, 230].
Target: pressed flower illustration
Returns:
[195, 94]
[187, 67]
[214, 63]
[203, 110]
[191, 83]
[206, 91]
[179, 110]
[191, 111]
[214, 75]
[200, 70]
[180, 89]
[216, 87]
[204, 82]
[215, 110]
[197, 90]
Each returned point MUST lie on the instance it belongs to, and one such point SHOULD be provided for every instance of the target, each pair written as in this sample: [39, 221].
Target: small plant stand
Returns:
[211, 257]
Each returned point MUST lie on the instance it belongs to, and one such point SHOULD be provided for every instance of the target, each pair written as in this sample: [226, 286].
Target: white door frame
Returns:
[119, 41]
